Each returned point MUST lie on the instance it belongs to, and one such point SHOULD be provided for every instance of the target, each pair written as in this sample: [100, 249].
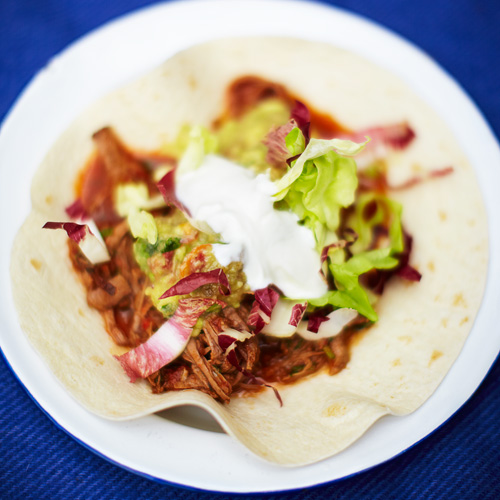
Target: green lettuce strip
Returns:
[321, 182]
[346, 274]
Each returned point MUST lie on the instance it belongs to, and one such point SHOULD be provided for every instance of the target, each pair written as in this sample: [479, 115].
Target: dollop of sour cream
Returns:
[238, 205]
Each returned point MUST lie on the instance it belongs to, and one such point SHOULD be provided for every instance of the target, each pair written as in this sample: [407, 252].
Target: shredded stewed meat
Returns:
[118, 288]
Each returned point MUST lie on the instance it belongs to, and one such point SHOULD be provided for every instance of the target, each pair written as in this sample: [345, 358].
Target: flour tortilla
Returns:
[393, 369]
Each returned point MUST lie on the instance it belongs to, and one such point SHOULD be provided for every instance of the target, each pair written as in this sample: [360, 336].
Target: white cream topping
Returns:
[238, 205]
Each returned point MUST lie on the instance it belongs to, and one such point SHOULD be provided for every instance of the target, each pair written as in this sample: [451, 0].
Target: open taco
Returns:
[265, 104]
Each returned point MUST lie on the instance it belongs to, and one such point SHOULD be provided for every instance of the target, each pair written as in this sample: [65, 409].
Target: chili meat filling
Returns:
[118, 289]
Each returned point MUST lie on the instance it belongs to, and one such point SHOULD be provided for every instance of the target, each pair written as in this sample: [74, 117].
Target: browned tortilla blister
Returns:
[394, 367]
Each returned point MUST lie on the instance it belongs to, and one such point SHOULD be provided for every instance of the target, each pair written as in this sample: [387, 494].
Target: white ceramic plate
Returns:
[164, 448]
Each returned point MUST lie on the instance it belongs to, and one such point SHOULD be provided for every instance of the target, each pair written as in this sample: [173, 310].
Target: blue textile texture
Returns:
[460, 460]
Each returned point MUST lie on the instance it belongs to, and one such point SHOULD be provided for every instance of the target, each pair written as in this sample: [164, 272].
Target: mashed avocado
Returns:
[241, 140]
[179, 251]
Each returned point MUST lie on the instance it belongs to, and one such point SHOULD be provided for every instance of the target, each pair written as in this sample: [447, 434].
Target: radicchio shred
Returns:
[302, 117]
[76, 232]
[166, 186]
[265, 300]
[196, 280]
[76, 210]
[298, 311]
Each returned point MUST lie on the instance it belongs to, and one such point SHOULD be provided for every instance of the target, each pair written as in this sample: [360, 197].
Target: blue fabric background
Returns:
[460, 460]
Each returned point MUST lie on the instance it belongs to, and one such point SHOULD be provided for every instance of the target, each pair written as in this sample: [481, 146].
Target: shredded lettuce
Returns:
[133, 196]
[142, 225]
[372, 209]
[240, 140]
[350, 292]
[295, 141]
[320, 183]
[129, 200]
[201, 142]
[315, 149]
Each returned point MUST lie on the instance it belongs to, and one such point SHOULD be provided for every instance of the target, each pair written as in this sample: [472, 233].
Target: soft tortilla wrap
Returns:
[394, 367]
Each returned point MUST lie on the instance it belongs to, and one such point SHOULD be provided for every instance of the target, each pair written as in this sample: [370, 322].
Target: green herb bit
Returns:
[329, 352]
[168, 309]
[161, 246]
[299, 344]
[296, 369]
[215, 308]
[201, 320]
[107, 231]
[197, 328]
[169, 245]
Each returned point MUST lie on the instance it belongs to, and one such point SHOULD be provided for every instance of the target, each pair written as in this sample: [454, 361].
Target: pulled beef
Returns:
[113, 165]
[115, 332]
[207, 368]
[114, 239]
[287, 360]
[207, 371]
[204, 366]
[175, 377]
[105, 297]
[117, 289]
[121, 166]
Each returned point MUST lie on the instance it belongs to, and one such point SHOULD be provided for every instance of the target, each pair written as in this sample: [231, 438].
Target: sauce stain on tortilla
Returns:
[49, 199]
[357, 337]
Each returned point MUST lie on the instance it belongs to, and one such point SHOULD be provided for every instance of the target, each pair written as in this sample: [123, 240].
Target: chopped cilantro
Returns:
[299, 344]
[106, 231]
[161, 246]
[168, 309]
[329, 352]
[296, 369]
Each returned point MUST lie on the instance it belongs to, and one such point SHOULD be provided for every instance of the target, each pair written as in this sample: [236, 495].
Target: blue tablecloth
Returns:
[459, 460]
